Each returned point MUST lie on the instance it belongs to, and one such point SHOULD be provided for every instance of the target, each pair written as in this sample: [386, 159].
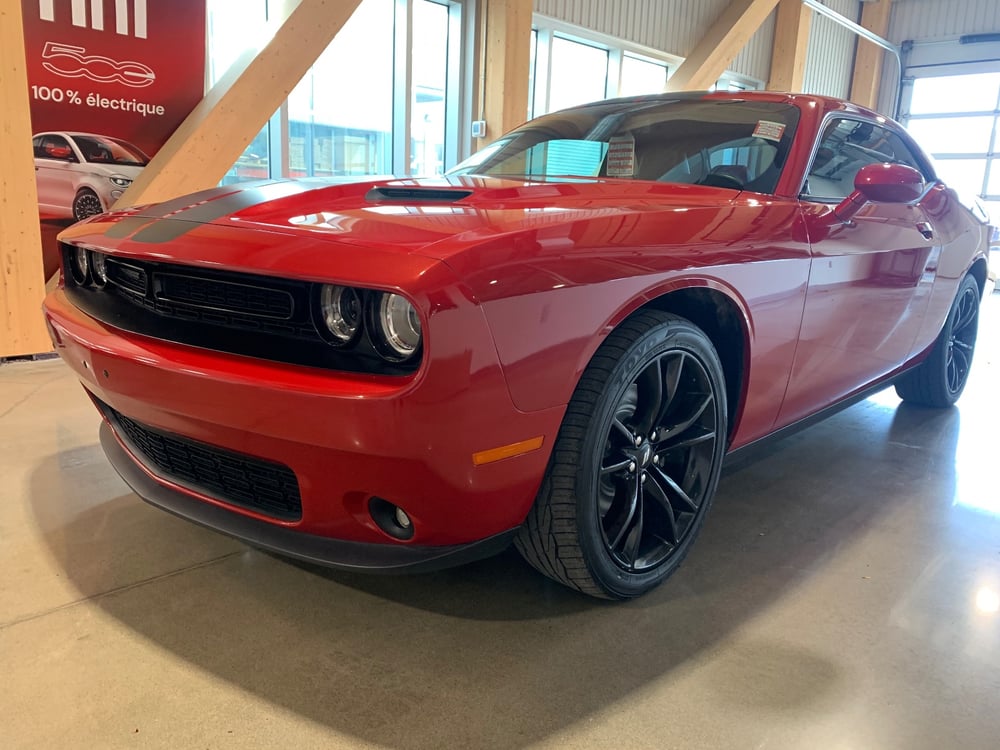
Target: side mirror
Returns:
[881, 183]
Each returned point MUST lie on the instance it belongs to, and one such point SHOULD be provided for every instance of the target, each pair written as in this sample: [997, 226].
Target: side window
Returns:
[846, 147]
[57, 147]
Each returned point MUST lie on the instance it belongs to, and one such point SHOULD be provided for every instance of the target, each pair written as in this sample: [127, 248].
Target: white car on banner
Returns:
[82, 174]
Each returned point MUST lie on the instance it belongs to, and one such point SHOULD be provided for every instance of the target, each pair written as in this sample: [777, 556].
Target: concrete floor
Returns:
[843, 595]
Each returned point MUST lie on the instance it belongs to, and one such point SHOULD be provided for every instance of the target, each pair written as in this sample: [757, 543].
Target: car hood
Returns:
[432, 217]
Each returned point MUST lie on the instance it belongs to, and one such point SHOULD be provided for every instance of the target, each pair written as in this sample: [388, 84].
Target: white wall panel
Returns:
[671, 26]
[831, 51]
[937, 19]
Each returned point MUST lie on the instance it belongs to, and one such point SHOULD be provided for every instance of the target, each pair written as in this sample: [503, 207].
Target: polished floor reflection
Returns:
[844, 594]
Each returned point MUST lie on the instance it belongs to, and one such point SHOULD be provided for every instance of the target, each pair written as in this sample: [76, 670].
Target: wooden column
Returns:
[791, 41]
[505, 58]
[22, 283]
[721, 43]
[214, 135]
[868, 62]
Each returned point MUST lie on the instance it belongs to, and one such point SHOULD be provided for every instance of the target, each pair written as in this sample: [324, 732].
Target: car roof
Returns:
[802, 101]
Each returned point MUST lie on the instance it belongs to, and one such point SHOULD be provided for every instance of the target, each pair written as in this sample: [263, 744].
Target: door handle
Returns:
[926, 230]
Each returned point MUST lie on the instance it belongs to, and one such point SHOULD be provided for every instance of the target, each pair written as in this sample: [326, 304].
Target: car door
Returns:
[56, 174]
[869, 277]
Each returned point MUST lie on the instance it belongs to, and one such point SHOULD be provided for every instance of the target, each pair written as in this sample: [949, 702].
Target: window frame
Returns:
[924, 167]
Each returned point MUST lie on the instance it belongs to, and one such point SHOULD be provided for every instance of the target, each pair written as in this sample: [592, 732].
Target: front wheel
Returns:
[636, 462]
[939, 380]
[86, 204]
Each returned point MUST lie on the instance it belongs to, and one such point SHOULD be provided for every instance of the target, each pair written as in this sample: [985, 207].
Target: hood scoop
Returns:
[415, 194]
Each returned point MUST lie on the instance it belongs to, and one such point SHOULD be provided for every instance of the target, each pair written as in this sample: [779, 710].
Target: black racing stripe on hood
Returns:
[131, 224]
[171, 225]
[164, 230]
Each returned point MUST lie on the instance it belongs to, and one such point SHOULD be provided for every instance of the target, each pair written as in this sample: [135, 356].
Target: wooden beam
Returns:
[22, 283]
[506, 59]
[214, 135]
[868, 62]
[720, 45]
[791, 41]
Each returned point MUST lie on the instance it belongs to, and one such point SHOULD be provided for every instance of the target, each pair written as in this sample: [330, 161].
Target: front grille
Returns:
[236, 301]
[212, 294]
[253, 315]
[263, 486]
[130, 278]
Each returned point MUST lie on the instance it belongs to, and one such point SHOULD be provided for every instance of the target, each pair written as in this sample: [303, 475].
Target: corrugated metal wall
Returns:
[673, 26]
[831, 51]
[934, 19]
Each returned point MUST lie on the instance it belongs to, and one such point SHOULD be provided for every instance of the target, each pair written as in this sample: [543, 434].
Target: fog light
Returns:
[402, 519]
[392, 519]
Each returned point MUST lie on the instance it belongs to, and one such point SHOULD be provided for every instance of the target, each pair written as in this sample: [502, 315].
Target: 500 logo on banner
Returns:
[69, 61]
[71, 96]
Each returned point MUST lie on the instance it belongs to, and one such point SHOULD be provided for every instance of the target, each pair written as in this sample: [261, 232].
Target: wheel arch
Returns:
[979, 272]
[716, 311]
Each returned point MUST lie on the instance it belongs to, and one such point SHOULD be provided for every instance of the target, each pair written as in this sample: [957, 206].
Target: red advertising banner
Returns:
[109, 81]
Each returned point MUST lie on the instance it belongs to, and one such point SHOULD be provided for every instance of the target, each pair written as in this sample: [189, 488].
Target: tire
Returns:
[86, 204]
[939, 380]
[635, 464]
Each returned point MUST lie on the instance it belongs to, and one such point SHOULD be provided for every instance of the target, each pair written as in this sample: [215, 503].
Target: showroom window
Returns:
[234, 27]
[571, 65]
[641, 76]
[956, 119]
[383, 98]
[340, 117]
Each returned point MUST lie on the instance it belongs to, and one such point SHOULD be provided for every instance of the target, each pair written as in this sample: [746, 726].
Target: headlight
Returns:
[341, 311]
[121, 181]
[80, 266]
[99, 267]
[399, 326]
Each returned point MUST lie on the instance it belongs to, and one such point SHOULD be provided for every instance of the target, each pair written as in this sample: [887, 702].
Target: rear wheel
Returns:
[940, 379]
[635, 464]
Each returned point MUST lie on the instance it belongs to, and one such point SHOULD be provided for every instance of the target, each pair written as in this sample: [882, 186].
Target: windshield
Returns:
[734, 144]
[103, 150]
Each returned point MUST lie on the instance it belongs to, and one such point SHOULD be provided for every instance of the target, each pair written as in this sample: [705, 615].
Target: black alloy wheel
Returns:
[962, 339]
[636, 463]
[86, 204]
[940, 379]
[658, 456]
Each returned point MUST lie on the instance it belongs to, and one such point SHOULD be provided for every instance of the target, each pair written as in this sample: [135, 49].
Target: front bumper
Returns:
[347, 438]
[332, 553]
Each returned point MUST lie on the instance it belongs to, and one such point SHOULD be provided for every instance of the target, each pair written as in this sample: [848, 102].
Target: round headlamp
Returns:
[99, 268]
[340, 308]
[80, 265]
[399, 325]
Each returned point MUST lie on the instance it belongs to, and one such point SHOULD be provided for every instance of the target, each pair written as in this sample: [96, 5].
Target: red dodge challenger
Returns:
[556, 344]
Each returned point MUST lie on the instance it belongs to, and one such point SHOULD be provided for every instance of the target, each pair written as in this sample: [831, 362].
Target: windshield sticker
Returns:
[621, 156]
[772, 131]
